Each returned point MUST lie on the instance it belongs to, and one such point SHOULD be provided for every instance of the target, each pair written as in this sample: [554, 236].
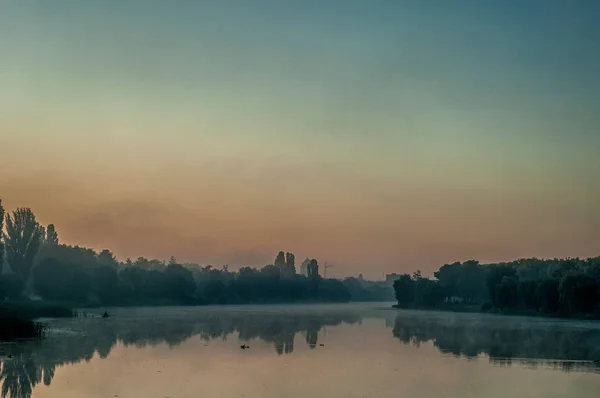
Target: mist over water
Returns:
[345, 350]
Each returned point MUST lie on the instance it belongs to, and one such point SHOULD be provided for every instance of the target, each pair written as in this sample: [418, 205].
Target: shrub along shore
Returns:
[18, 320]
[567, 288]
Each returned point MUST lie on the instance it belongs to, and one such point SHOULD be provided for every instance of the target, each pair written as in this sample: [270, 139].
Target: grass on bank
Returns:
[28, 309]
[17, 318]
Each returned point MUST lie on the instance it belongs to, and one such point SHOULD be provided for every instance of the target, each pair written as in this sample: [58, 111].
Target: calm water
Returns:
[363, 350]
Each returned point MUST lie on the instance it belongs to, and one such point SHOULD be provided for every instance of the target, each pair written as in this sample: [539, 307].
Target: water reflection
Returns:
[34, 362]
[564, 346]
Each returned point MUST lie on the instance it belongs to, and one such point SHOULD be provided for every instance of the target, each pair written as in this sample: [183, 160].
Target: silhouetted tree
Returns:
[548, 295]
[290, 265]
[51, 235]
[11, 286]
[214, 291]
[22, 239]
[290, 260]
[471, 282]
[1, 238]
[179, 283]
[507, 295]
[418, 291]
[494, 280]
[364, 290]
[313, 269]
[528, 294]
[404, 287]
[107, 258]
[54, 280]
[578, 293]
[280, 260]
[144, 263]
[106, 284]
[565, 287]
[428, 293]
[449, 276]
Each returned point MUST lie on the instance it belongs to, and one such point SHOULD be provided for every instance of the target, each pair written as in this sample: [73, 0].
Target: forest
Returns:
[40, 266]
[554, 287]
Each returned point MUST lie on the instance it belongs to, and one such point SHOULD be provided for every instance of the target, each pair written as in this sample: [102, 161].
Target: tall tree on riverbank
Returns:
[1, 237]
[22, 241]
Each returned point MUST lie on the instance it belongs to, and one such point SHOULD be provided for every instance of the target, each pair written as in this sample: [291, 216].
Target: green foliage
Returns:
[79, 275]
[288, 269]
[332, 290]
[528, 296]
[364, 290]
[507, 295]
[1, 239]
[313, 269]
[11, 286]
[568, 287]
[54, 280]
[404, 287]
[578, 293]
[106, 284]
[280, 260]
[495, 278]
[179, 283]
[23, 238]
[548, 295]
[51, 237]
[107, 259]
[418, 292]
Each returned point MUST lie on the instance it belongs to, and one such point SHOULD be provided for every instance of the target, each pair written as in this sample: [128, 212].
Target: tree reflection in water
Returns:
[35, 362]
[560, 345]
[566, 346]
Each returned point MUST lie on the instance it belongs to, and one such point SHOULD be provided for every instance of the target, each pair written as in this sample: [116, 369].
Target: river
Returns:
[343, 350]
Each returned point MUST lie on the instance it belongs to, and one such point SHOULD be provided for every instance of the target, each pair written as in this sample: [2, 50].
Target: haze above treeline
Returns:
[35, 263]
[381, 136]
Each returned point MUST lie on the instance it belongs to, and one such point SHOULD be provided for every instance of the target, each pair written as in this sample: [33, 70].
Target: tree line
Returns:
[557, 287]
[40, 265]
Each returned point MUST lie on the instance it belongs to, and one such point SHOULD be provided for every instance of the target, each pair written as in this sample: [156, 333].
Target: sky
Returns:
[380, 136]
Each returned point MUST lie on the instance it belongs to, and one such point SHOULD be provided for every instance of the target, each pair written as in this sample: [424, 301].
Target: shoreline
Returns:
[515, 313]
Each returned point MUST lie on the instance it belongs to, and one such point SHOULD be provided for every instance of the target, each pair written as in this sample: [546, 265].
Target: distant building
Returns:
[391, 278]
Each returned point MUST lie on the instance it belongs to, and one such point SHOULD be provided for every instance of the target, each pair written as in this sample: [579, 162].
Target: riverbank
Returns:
[452, 308]
[29, 309]
[482, 309]
[18, 319]
[14, 327]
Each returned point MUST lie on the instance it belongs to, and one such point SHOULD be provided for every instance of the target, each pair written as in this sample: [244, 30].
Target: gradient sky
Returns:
[377, 135]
